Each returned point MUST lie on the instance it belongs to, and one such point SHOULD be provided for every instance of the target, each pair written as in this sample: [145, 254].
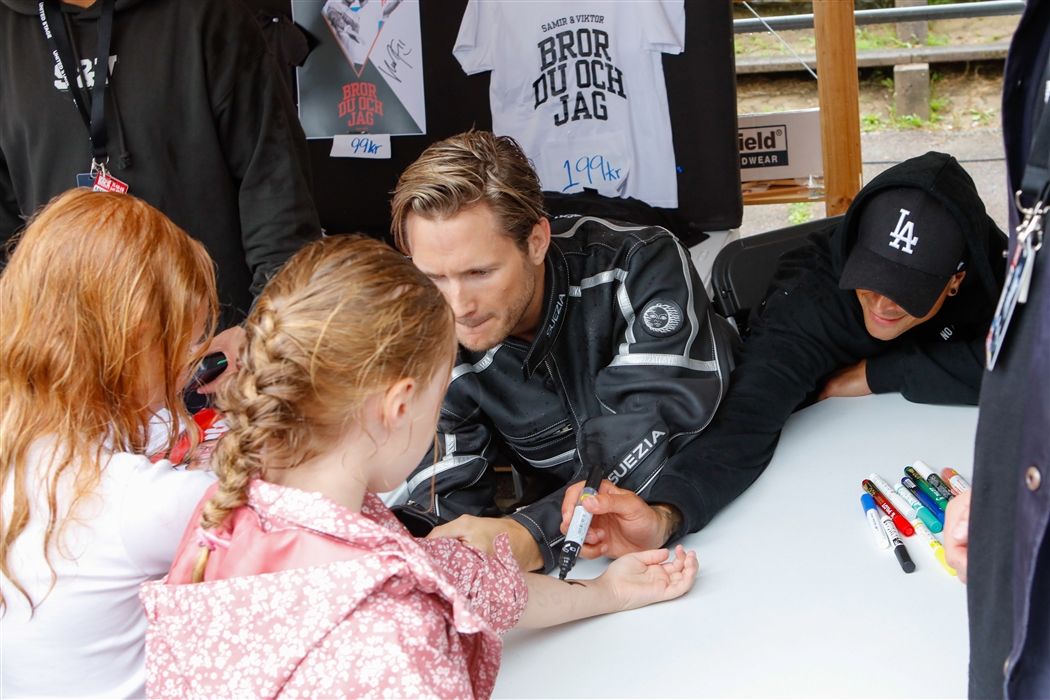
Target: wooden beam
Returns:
[839, 95]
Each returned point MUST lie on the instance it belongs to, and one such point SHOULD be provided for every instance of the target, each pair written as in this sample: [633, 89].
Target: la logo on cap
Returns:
[904, 233]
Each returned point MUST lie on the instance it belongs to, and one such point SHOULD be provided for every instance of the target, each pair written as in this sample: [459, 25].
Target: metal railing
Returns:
[992, 8]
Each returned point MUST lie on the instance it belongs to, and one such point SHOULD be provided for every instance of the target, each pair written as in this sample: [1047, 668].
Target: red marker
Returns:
[902, 524]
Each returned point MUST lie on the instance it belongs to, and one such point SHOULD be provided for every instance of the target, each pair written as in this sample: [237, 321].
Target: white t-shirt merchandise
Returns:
[87, 636]
[580, 85]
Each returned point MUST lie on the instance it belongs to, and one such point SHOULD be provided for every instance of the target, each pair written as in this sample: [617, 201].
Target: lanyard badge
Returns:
[1018, 276]
[94, 115]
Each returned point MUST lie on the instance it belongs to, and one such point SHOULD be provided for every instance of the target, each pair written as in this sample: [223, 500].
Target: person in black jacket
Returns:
[897, 298]
[580, 339]
[197, 121]
[997, 534]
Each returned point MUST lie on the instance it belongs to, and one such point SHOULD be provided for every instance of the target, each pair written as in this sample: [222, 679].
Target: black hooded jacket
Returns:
[199, 121]
[807, 328]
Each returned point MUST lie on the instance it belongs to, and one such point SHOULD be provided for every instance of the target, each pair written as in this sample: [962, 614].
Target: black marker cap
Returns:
[902, 556]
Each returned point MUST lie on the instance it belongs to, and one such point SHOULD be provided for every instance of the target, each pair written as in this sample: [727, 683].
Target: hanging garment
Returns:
[580, 85]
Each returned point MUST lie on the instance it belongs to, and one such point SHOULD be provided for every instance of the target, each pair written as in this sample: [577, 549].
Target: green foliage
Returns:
[887, 83]
[868, 39]
[871, 122]
[937, 39]
[982, 117]
[908, 121]
[799, 213]
[937, 105]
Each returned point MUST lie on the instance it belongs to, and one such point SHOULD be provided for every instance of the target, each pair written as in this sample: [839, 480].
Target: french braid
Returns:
[347, 317]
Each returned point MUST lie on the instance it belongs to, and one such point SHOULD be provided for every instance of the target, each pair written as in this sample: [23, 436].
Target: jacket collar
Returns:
[555, 301]
[374, 527]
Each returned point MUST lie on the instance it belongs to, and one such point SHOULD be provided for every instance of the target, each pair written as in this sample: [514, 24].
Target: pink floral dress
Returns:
[303, 597]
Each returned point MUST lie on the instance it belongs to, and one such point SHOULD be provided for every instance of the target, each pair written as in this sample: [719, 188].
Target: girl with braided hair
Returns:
[105, 306]
[298, 580]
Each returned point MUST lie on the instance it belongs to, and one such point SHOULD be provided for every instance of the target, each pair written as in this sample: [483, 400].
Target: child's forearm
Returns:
[552, 602]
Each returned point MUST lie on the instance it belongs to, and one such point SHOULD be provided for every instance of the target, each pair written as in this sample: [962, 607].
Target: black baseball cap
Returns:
[908, 247]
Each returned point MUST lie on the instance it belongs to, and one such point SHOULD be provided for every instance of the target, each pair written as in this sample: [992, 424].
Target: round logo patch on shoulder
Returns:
[662, 317]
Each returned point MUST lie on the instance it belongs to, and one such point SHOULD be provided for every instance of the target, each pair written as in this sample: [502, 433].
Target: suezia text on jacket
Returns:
[808, 328]
[199, 124]
[628, 357]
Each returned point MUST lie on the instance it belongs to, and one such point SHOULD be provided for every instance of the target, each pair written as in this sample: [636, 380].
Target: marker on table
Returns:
[899, 550]
[902, 506]
[899, 520]
[934, 481]
[581, 519]
[955, 480]
[925, 487]
[868, 502]
[921, 511]
[923, 498]
[936, 547]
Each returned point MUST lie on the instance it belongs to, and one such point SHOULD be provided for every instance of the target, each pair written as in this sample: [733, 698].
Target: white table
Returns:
[793, 598]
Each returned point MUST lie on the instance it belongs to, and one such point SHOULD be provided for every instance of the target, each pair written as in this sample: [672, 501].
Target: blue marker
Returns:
[924, 499]
[873, 519]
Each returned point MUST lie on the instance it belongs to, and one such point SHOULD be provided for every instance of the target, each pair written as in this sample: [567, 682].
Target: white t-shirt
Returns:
[87, 637]
[580, 85]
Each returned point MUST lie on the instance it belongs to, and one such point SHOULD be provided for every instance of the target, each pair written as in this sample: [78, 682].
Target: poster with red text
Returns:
[366, 75]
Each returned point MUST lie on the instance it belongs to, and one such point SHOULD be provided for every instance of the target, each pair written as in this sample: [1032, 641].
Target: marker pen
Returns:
[955, 480]
[936, 547]
[902, 524]
[925, 487]
[922, 512]
[938, 485]
[902, 506]
[923, 498]
[581, 517]
[873, 519]
[899, 550]
[934, 481]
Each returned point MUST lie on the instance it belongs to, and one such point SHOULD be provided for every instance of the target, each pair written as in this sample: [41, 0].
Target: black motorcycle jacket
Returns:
[628, 356]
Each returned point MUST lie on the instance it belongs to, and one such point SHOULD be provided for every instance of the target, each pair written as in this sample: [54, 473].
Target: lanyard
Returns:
[1037, 172]
[1035, 191]
[62, 49]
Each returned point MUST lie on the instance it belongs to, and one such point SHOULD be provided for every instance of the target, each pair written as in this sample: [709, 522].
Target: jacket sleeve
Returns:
[781, 364]
[495, 585]
[394, 644]
[456, 477]
[937, 372]
[10, 214]
[264, 146]
[669, 370]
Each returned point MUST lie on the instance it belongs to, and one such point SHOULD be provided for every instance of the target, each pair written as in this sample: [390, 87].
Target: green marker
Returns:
[933, 480]
[922, 511]
[940, 500]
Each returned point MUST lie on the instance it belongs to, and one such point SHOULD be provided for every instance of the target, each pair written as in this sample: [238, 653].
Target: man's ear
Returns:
[539, 241]
[953, 286]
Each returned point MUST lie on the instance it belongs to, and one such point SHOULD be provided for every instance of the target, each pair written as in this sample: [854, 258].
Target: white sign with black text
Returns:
[780, 145]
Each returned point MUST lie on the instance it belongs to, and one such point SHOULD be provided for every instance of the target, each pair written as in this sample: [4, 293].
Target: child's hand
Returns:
[642, 578]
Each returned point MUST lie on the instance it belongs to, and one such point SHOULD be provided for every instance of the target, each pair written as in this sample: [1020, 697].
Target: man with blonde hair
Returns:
[578, 336]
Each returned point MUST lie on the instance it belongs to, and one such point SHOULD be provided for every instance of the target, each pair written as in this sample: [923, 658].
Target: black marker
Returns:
[581, 518]
[210, 368]
[899, 550]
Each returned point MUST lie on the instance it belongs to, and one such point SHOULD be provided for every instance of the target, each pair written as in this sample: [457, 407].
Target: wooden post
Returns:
[839, 95]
